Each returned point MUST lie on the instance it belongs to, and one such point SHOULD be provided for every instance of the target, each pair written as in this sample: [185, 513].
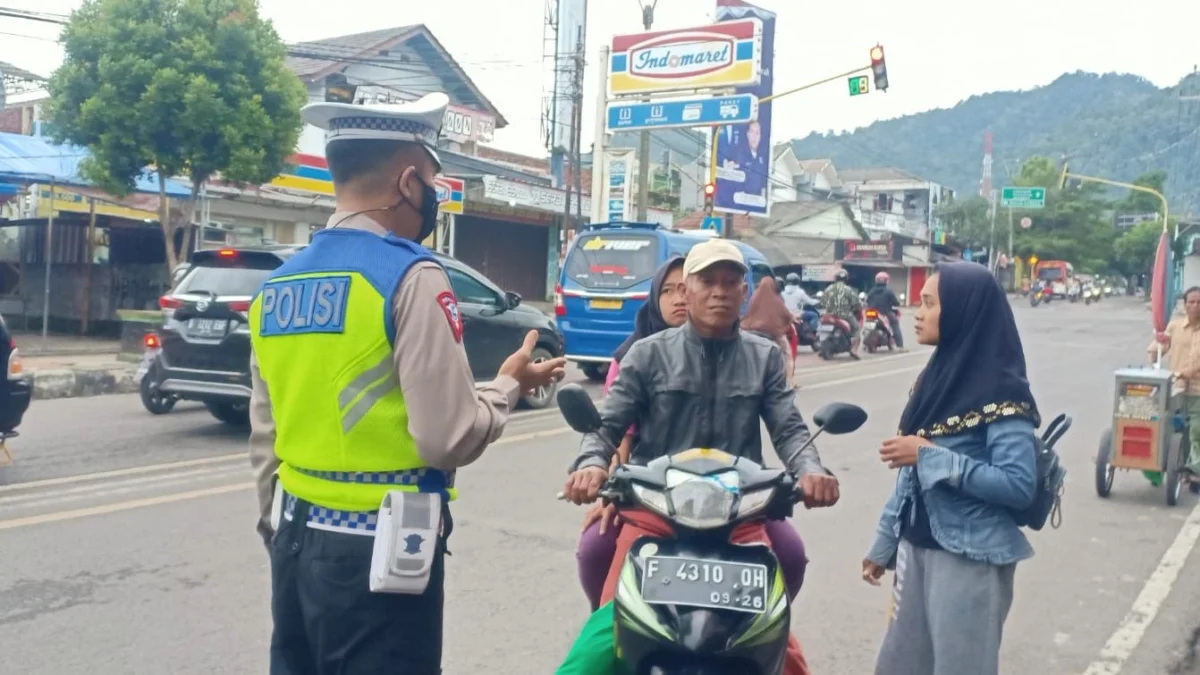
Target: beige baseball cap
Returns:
[705, 255]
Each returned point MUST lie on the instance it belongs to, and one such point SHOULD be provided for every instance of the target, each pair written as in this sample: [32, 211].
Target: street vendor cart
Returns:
[1149, 432]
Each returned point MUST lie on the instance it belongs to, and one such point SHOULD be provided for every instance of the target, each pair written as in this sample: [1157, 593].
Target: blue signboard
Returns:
[691, 112]
[744, 150]
[712, 223]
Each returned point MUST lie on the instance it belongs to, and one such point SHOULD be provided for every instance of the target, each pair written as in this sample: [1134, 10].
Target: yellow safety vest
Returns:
[322, 332]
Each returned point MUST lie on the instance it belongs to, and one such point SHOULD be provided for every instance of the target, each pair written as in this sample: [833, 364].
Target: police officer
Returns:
[361, 387]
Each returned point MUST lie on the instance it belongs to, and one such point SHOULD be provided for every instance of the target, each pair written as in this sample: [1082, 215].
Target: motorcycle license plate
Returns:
[825, 328]
[716, 584]
[207, 328]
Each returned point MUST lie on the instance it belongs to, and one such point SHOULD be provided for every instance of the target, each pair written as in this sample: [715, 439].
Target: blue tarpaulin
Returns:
[34, 159]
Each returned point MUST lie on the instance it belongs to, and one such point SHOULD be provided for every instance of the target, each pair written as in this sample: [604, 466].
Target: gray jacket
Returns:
[682, 392]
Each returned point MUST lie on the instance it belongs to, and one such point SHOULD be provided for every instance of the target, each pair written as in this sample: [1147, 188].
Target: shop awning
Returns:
[33, 159]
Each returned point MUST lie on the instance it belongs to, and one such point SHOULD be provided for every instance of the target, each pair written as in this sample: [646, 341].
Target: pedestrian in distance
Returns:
[363, 405]
[768, 316]
[966, 461]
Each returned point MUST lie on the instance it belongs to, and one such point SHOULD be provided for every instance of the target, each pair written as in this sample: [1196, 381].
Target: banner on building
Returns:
[618, 167]
[450, 194]
[819, 273]
[867, 251]
[744, 150]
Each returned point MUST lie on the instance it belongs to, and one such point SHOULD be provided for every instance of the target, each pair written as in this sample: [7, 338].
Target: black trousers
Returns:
[328, 622]
[894, 322]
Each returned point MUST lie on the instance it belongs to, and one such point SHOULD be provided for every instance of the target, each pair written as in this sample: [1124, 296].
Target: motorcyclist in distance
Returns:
[883, 300]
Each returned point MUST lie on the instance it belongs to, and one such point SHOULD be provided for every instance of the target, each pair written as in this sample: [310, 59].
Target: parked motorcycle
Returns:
[693, 601]
[877, 332]
[834, 337]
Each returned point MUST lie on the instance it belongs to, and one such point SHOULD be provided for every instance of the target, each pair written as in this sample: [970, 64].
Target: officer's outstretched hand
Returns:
[521, 367]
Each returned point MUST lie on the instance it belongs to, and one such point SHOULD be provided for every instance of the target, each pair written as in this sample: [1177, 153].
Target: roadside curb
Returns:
[74, 383]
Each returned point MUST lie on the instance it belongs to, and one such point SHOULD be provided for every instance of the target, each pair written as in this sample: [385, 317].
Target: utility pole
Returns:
[577, 134]
[573, 160]
[992, 237]
[599, 208]
[644, 142]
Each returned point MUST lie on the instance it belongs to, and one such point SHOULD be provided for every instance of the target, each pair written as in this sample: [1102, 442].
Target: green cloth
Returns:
[593, 653]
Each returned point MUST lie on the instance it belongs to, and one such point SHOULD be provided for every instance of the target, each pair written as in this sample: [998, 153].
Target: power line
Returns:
[44, 17]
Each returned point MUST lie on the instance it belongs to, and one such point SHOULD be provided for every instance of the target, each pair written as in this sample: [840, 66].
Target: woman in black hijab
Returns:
[654, 317]
[966, 458]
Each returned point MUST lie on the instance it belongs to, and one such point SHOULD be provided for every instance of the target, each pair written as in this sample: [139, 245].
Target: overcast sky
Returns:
[931, 64]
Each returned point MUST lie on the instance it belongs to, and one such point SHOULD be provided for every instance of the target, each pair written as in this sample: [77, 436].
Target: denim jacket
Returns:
[971, 482]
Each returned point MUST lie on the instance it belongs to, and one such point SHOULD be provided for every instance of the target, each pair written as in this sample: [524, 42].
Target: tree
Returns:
[1074, 225]
[191, 87]
[969, 221]
[1143, 202]
[1135, 250]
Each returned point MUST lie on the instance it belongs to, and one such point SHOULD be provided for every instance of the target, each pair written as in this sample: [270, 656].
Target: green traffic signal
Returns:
[859, 84]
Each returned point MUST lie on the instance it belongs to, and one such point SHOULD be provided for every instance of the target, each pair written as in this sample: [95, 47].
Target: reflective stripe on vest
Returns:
[321, 337]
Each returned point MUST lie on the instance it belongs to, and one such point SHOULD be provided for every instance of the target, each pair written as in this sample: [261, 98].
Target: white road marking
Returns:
[149, 468]
[120, 506]
[1145, 608]
[857, 378]
[41, 497]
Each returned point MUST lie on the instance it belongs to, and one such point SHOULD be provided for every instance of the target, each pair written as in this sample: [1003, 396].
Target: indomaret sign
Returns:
[726, 54]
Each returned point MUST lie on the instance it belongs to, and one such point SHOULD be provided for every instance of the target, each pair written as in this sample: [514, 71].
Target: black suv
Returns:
[203, 350]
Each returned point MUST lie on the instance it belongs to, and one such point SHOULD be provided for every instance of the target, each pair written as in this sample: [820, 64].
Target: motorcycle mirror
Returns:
[578, 409]
[901, 297]
[839, 418]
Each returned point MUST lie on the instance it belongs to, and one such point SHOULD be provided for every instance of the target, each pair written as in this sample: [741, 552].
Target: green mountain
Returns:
[1112, 126]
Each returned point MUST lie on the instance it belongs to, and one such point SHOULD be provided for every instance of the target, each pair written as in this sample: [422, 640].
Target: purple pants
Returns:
[596, 551]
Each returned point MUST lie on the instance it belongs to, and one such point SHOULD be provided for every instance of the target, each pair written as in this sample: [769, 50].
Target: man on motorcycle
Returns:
[794, 296]
[705, 384]
[883, 300]
[696, 386]
[841, 301]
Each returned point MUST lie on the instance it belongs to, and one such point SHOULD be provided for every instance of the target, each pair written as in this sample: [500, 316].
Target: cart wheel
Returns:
[1176, 459]
[1104, 470]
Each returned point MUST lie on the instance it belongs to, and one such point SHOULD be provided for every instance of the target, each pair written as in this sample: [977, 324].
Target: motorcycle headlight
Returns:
[652, 499]
[753, 502]
[701, 502]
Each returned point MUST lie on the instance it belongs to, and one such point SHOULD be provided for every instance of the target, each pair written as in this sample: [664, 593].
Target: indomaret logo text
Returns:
[681, 55]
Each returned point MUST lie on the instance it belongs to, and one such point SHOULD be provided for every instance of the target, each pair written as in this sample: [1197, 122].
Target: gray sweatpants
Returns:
[947, 615]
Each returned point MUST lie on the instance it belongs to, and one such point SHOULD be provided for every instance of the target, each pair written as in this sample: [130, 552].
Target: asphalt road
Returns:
[127, 542]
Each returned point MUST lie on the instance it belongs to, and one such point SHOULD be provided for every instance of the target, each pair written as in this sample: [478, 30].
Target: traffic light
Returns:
[860, 84]
[1062, 180]
[709, 191]
[879, 67]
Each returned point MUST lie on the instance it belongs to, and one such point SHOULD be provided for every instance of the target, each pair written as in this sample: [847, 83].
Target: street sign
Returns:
[860, 84]
[703, 111]
[1027, 222]
[1023, 197]
[712, 223]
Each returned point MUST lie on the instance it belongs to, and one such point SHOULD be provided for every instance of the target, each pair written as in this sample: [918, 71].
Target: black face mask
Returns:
[429, 211]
